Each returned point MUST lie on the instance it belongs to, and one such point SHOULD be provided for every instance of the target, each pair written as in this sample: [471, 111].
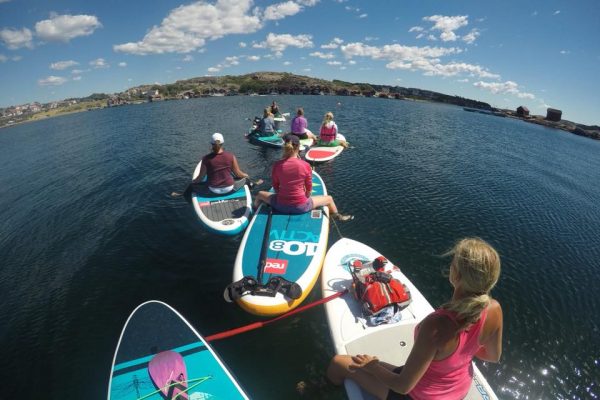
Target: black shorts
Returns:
[301, 135]
[394, 395]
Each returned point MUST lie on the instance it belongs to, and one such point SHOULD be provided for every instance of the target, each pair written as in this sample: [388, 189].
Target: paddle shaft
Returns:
[260, 324]
[265, 244]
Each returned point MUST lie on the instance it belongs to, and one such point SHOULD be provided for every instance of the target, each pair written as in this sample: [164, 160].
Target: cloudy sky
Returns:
[536, 53]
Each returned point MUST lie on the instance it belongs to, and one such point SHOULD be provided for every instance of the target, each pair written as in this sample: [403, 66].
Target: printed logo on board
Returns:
[275, 266]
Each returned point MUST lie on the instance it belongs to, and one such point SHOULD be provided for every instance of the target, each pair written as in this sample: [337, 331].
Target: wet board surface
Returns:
[389, 342]
[295, 251]
[160, 356]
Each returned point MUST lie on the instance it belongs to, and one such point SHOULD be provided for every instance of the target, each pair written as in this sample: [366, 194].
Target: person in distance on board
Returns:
[439, 364]
[275, 109]
[328, 133]
[292, 182]
[218, 166]
[266, 127]
[299, 126]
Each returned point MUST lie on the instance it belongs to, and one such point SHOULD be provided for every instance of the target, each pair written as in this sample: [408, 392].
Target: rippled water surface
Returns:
[89, 231]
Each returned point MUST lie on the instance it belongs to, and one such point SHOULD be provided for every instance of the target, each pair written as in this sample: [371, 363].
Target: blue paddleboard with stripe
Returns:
[161, 356]
[295, 251]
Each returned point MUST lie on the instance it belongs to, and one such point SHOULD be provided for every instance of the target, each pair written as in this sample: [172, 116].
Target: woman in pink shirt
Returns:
[292, 182]
[439, 364]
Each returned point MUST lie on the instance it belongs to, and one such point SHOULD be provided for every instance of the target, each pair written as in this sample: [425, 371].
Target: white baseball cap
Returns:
[215, 137]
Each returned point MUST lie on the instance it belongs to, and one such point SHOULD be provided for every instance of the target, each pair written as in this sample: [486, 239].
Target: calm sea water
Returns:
[89, 231]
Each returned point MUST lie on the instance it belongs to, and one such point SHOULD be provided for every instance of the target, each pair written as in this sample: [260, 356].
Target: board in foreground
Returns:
[391, 343]
[161, 356]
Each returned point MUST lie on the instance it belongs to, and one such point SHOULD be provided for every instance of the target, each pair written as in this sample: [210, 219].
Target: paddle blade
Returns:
[167, 371]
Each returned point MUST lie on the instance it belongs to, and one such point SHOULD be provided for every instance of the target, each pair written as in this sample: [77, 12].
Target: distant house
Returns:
[522, 111]
[552, 114]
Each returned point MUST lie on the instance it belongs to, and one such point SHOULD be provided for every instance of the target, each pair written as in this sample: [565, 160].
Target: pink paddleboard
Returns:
[167, 370]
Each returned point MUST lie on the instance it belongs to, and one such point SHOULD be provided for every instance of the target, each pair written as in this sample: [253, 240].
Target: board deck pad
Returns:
[159, 354]
[296, 248]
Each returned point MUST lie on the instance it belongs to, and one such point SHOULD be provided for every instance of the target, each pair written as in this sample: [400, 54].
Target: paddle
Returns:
[265, 244]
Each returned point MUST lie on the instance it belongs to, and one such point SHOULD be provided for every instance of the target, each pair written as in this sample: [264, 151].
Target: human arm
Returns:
[275, 178]
[423, 352]
[491, 344]
[308, 181]
[236, 169]
[201, 174]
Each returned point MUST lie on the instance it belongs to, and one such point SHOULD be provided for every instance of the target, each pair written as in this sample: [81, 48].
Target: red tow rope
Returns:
[260, 324]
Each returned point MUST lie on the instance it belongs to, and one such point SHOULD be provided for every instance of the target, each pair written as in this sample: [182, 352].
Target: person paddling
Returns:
[218, 166]
[292, 182]
[439, 365]
[299, 126]
[266, 126]
[328, 133]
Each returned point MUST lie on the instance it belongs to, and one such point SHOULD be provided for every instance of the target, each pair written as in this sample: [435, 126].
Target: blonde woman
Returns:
[292, 182]
[439, 365]
[329, 132]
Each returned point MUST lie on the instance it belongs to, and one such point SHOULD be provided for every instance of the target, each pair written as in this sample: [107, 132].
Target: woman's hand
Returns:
[364, 361]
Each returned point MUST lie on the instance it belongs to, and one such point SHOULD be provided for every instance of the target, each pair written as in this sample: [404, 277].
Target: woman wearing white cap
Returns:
[218, 166]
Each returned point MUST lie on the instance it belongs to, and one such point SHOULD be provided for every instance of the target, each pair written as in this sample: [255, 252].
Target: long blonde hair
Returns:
[327, 118]
[475, 268]
[267, 112]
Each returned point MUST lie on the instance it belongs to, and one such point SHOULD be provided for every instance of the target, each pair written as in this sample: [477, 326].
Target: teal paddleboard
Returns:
[161, 356]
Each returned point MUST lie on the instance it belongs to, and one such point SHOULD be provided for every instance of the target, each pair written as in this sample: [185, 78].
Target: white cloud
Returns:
[416, 29]
[447, 25]
[351, 62]
[470, 37]
[281, 10]
[122, 64]
[431, 37]
[188, 58]
[462, 80]
[287, 63]
[63, 28]
[213, 69]
[99, 63]
[243, 44]
[334, 44]
[187, 27]
[306, 70]
[426, 59]
[308, 3]
[77, 78]
[371, 38]
[535, 13]
[334, 63]
[325, 56]
[278, 43]
[60, 65]
[564, 52]
[556, 12]
[52, 81]
[363, 15]
[15, 38]
[76, 71]
[509, 87]
[253, 58]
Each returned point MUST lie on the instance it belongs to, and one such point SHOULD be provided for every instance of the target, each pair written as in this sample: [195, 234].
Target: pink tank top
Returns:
[451, 377]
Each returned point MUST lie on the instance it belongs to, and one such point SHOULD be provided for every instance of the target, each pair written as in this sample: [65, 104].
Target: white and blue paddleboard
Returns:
[161, 356]
[273, 141]
[227, 214]
[294, 249]
[391, 342]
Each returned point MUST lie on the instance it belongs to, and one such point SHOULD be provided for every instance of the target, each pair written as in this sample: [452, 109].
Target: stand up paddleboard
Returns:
[392, 342]
[161, 356]
[227, 214]
[280, 258]
[275, 141]
[324, 153]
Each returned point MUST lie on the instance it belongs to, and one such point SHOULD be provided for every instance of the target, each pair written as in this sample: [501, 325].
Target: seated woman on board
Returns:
[218, 166]
[439, 364]
[299, 126]
[266, 127]
[292, 182]
[275, 109]
[328, 133]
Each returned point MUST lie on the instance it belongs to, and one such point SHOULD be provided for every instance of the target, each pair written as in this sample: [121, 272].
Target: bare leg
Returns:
[339, 369]
[262, 197]
[319, 201]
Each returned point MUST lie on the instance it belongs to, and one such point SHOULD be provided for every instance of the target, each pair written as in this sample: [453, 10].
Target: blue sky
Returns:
[537, 53]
